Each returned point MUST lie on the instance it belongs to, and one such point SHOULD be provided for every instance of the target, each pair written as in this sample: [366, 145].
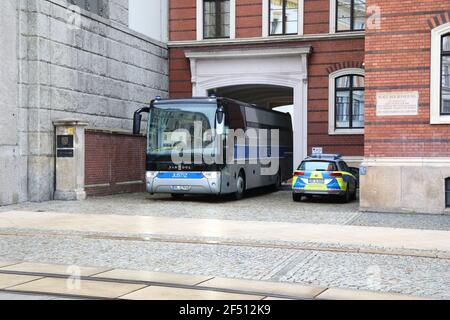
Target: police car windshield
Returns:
[317, 166]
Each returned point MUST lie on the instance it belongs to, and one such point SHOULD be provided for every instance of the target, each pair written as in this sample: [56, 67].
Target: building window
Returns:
[95, 6]
[445, 71]
[283, 17]
[346, 102]
[447, 193]
[216, 19]
[350, 15]
[440, 75]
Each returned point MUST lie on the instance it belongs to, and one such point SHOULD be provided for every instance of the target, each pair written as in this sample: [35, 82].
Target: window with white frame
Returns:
[283, 16]
[347, 15]
[216, 19]
[440, 75]
[346, 101]
[445, 72]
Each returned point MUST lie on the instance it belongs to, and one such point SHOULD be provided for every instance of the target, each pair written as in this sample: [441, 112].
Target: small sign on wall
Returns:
[398, 103]
[317, 150]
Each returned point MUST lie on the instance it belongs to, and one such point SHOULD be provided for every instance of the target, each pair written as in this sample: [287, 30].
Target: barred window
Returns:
[350, 15]
[216, 19]
[95, 6]
[283, 17]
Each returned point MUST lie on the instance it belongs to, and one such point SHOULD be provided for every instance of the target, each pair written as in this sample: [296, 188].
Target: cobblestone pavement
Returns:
[394, 274]
[261, 206]
[389, 273]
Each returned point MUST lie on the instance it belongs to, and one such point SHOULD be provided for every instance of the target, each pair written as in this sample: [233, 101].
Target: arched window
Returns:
[346, 105]
[445, 75]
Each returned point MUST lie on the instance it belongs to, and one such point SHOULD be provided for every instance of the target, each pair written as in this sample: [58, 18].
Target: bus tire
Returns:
[278, 182]
[240, 186]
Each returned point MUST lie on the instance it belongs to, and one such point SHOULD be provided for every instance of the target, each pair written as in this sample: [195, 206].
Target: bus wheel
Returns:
[278, 182]
[240, 186]
[177, 196]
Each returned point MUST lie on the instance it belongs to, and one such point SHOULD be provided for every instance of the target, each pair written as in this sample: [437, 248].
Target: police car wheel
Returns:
[296, 197]
[346, 198]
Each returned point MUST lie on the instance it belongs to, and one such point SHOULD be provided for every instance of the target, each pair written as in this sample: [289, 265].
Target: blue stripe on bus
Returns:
[181, 175]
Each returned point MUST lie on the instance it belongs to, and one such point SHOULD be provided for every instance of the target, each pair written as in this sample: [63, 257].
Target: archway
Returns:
[249, 68]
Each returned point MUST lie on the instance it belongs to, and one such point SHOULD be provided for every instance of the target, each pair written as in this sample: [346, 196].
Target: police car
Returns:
[325, 174]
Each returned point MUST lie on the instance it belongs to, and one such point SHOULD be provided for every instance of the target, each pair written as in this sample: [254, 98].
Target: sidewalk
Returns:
[57, 280]
[369, 239]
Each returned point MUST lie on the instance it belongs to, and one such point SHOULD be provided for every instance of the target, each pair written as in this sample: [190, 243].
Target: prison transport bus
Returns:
[172, 123]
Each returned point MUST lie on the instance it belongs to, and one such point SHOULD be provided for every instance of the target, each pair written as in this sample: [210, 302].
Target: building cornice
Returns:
[266, 40]
[297, 50]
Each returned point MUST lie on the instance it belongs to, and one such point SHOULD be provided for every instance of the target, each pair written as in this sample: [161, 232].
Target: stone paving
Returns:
[259, 206]
[380, 272]
[394, 274]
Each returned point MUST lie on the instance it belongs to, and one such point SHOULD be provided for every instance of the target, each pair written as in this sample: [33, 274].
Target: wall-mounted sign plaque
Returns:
[398, 103]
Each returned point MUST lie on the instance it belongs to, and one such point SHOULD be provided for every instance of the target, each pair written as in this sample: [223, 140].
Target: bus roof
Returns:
[208, 100]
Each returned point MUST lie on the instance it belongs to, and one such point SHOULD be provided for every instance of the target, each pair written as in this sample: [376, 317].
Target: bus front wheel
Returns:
[240, 186]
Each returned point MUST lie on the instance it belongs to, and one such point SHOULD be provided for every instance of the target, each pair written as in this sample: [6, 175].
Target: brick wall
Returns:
[398, 59]
[115, 163]
[316, 16]
[182, 20]
[248, 18]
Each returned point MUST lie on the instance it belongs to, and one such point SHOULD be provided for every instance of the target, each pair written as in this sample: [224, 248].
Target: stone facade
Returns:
[56, 65]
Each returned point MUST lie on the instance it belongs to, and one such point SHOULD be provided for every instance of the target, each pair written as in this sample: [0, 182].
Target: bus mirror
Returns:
[137, 123]
[220, 125]
[137, 118]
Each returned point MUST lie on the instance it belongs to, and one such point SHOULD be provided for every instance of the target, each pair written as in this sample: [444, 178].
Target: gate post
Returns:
[70, 159]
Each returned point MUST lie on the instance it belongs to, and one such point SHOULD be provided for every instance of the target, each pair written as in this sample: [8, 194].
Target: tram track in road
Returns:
[100, 279]
[318, 247]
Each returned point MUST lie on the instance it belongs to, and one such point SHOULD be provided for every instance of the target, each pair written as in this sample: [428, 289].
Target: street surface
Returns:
[200, 237]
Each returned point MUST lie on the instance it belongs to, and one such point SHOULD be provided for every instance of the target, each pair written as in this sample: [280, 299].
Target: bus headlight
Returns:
[151, 175]
[212, 175]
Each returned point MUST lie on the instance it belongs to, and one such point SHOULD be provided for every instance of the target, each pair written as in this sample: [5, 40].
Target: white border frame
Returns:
[331, 101]
[435, 87]
[199, 14]
[265, 19]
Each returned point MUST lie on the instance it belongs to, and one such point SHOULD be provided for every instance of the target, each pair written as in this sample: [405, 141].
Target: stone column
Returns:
[70, 158]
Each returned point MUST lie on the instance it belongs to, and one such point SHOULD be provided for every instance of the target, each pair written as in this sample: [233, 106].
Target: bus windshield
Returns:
[188, 126]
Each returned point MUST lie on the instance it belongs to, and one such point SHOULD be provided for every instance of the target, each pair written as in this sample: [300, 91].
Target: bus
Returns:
[193, 146]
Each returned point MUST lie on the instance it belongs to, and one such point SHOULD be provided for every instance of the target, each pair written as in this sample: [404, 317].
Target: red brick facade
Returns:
[398, 59]
[115, 163]
[328, 55]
